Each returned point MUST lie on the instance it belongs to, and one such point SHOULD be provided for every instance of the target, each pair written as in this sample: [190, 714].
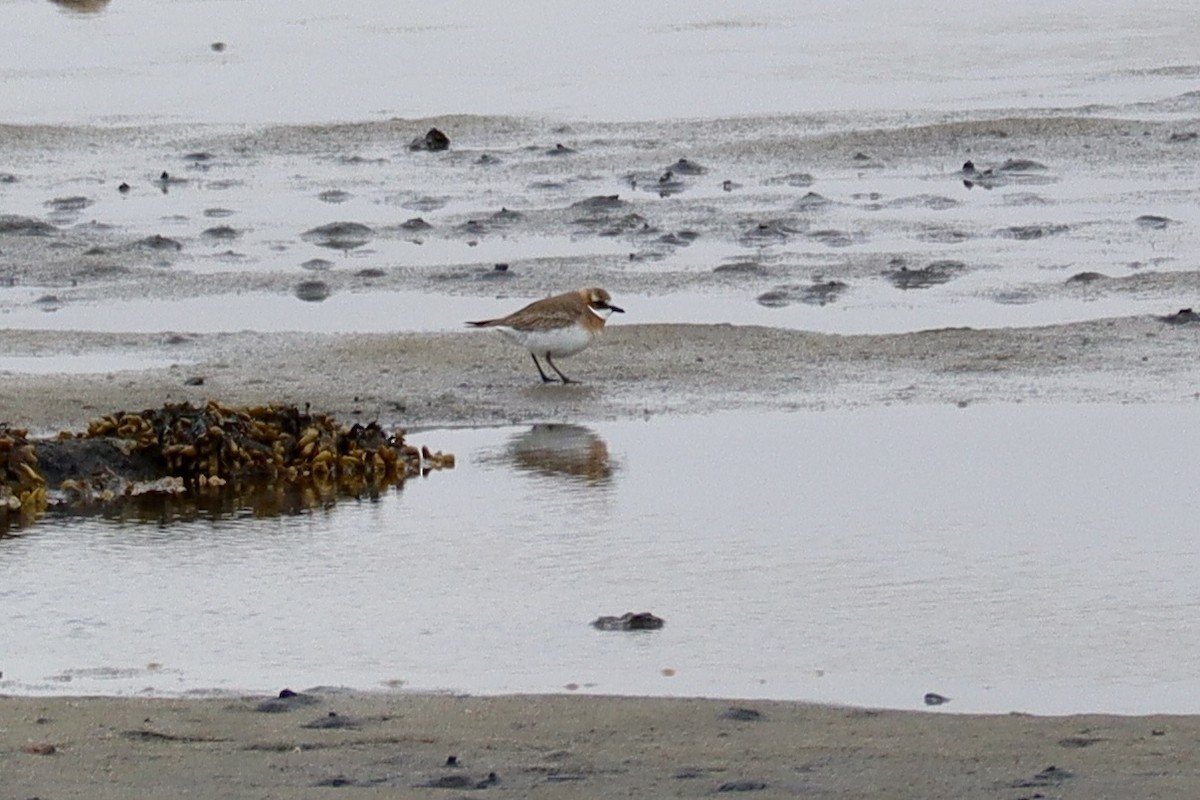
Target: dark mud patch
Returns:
[1154, 222]
[69, 205]
[415, 225]
[940, 235]
[339, 235]
[24, 226]
[157, 243]
[1030, 232]
[834, 238]
[313, 291]
[220, 233]
[820, 293]
[933, 202]
[334, 196]
[932, 274]
[749, 268]
[811, 201]
[1184, 316]
[768, 233]
[798, 180]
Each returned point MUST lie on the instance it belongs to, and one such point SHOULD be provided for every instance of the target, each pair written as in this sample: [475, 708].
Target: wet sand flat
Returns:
[476, 378]
[359, 745]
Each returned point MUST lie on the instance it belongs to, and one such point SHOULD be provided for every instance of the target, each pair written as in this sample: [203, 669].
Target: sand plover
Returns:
[556, 326]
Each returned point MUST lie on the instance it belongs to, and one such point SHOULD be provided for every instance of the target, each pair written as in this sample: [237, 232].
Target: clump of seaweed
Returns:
[181, 449]
[22, 488]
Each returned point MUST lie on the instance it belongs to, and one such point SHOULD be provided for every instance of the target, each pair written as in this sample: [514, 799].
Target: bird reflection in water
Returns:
[86, 6]
[562, 451]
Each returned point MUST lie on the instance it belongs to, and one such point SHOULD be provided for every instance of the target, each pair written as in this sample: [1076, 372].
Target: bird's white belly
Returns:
[558, 342]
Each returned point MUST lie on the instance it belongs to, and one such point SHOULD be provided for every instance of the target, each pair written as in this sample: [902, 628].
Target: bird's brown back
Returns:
[558, 311]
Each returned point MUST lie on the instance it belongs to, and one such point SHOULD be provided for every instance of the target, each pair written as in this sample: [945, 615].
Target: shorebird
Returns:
[556, 326]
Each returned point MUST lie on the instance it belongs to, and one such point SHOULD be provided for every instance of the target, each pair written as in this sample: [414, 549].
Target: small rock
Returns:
[742, 786]
[601, 202]
[433, 141]
[685, 167]
[1050, 776]
[286, 701]
[39, 749]
[935, 699]
[739, 714]
[460, 782]
[1079, 741]
[644, 621]
[332, 721]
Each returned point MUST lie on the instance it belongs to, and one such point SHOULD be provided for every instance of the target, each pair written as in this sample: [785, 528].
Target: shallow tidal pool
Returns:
[1010, 557]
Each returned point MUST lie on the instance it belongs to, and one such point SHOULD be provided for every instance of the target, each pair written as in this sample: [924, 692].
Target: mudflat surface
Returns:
[478, 378]
[362, 745]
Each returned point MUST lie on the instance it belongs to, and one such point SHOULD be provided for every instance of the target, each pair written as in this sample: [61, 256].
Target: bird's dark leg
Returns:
[545, 378]
[550, 361]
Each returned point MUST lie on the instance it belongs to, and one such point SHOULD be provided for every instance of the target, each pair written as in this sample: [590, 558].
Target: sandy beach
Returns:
[337, 744]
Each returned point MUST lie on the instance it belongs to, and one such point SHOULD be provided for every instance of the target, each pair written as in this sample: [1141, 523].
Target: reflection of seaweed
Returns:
[181, 460]
[561, 450]
[88, 6]
[249, 498]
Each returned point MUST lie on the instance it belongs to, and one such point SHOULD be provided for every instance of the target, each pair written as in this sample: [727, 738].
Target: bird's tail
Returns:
[485, 323]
